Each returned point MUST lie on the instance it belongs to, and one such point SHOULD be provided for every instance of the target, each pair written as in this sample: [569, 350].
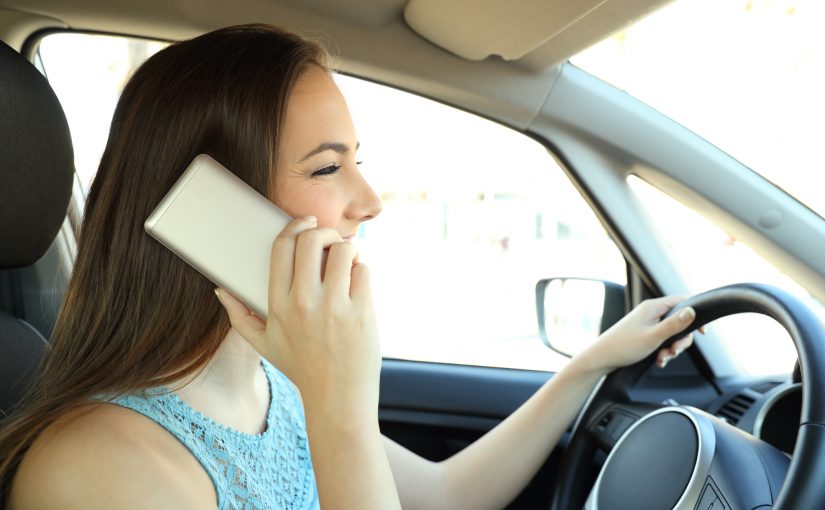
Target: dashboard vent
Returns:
[734, 408]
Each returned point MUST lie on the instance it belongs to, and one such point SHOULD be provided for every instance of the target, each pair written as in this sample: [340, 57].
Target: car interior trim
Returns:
[17, 26]
[769, 402]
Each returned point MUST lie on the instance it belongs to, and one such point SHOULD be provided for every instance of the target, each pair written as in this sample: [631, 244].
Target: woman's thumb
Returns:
[677, 322]
[249, 325]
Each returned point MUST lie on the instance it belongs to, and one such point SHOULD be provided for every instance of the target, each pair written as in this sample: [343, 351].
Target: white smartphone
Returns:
[222, 227]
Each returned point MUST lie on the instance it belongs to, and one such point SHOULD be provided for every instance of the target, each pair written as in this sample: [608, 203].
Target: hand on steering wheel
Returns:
[723, 462]
[640, 333]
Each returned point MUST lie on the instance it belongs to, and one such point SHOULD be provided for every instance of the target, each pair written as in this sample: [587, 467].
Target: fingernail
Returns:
[218, 293]
[687, 314]
[311, 219]
[664, 362]
[679, 351]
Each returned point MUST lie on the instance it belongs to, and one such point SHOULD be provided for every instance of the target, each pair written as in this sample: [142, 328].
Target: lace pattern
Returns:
[271, 470]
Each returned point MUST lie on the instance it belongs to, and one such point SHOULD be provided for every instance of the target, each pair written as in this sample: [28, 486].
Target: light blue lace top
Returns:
[271, 470]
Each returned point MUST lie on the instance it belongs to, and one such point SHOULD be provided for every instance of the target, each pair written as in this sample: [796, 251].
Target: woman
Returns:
[155, 394]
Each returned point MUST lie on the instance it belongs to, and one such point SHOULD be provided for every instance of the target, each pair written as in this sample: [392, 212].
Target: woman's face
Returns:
[316, 172]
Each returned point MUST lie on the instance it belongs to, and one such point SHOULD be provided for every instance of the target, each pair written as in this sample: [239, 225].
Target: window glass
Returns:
[708, 257]
[474, 213]
[747, 75]
[87, 72]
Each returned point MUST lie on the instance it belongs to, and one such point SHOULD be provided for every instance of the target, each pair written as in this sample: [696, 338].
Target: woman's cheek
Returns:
[325, 205]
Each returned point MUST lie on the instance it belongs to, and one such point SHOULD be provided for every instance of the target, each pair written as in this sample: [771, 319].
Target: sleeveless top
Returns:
[271, 470]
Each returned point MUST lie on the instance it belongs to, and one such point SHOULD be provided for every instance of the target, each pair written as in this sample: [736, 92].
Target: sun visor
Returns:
[476, 29]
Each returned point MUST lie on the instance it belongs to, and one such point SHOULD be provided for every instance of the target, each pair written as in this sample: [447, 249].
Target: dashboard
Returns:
[769, 410]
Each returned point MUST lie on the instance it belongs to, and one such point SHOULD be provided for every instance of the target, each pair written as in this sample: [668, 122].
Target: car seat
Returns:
[36, 172]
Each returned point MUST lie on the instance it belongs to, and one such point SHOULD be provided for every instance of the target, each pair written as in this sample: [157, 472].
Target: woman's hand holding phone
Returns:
[321, 330]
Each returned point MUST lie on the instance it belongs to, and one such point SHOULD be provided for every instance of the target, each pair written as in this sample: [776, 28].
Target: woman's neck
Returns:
[232, 388]
[233, 368]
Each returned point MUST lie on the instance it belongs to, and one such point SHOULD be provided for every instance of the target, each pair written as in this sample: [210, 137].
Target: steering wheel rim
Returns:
[801, 489]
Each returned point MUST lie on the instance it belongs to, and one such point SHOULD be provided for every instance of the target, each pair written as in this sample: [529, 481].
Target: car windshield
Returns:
[745, 75]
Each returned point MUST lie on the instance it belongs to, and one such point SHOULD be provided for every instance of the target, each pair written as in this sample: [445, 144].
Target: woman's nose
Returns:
[365, 204]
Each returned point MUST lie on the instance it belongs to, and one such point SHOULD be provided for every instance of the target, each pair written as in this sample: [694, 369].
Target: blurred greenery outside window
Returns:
[474, 213]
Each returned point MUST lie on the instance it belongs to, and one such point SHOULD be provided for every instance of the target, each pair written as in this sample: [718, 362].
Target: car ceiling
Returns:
[492, 56]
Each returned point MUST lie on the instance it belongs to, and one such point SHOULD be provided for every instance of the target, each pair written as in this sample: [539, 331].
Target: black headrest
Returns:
[36, 161]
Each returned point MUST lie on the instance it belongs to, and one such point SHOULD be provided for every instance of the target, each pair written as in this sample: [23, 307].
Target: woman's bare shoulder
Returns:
[107, 456]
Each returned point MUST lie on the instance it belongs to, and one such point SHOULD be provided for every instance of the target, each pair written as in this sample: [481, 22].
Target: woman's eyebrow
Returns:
[340, 148]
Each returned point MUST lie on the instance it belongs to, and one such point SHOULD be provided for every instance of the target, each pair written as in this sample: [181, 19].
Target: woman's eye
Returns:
[327, 170]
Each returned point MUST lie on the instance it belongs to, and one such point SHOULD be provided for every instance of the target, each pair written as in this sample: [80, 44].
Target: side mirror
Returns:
[573, 312]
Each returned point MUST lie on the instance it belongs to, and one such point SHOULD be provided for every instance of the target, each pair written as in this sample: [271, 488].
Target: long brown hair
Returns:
[134, 315]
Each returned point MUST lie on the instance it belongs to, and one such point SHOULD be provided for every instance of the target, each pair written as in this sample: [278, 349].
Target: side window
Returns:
[474, 212]
[474, 215]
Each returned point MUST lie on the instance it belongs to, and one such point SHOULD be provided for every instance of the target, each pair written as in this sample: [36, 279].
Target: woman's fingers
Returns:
[342, 258]
[360, 289]
[680, 345]
[666, 355]
[309, 256]
[282, 258]
[673, 325]
[249, 325]
[676, 322]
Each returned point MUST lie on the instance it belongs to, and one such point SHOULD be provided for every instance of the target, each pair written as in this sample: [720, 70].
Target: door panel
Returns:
[436, 410]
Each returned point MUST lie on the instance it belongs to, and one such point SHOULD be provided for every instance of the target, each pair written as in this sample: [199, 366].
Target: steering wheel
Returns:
[678, 456]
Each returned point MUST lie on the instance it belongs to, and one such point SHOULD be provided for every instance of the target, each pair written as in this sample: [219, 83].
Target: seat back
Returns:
[36, 172]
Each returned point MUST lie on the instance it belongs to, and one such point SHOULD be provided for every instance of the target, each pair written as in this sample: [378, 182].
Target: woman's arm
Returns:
[104, 456]
[493, 470]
